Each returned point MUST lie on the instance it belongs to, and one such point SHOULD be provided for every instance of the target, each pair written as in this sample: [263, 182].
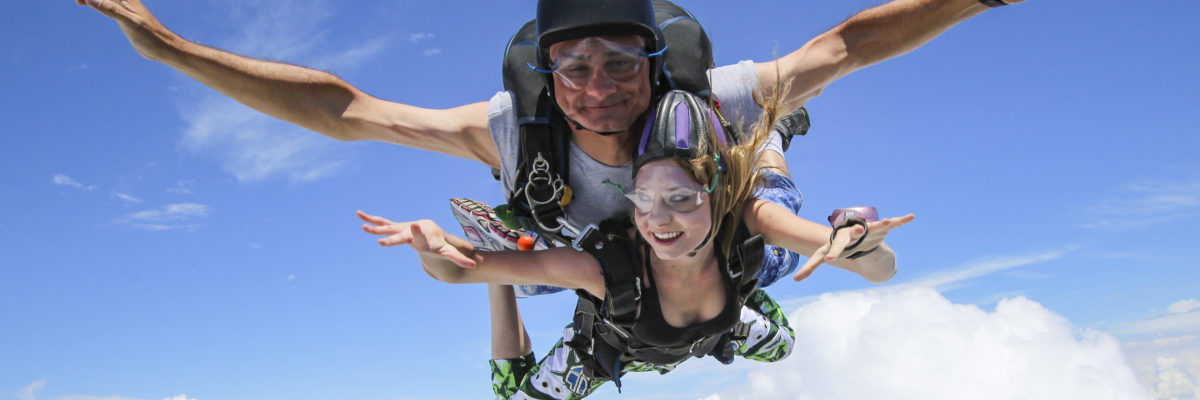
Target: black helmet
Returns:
[676, 127]
[563, 20]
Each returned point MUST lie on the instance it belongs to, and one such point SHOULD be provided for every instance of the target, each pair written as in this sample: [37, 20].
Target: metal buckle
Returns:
[539, 176]
[587, 230]
[692, 348]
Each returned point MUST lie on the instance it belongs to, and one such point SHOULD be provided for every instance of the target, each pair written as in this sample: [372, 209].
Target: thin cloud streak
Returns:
[64, 180]
[1172, 323]
[1147, 203]
[170, 217]
[127, 198]
[946, 279]
[29, 392]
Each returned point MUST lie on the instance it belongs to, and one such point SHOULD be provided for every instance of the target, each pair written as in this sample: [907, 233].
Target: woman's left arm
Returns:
[782, 228]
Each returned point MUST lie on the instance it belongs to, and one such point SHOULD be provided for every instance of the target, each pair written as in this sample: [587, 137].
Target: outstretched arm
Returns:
[871, 36]
[309, 98]
[452, 259]
[782, 228]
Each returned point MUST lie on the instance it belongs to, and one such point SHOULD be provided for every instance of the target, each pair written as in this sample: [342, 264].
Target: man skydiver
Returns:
[326, 104]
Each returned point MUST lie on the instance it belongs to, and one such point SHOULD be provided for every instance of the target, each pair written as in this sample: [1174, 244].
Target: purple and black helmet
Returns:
[676, 127]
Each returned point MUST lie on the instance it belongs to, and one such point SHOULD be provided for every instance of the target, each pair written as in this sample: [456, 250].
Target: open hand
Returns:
[148, 36]
[425, 236]
[876, 232]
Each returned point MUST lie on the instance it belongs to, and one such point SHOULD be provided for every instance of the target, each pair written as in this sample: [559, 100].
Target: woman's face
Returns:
[663, 189]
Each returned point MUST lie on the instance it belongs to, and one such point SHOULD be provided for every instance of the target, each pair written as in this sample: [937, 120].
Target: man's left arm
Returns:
[871, 36]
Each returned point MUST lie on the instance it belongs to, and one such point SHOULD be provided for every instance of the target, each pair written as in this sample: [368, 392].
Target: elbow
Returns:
[884, 269]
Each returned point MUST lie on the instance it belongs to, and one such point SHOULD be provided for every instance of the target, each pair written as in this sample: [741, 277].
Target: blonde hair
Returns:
[741, 179]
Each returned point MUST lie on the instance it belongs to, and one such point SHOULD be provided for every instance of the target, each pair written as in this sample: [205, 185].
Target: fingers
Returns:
[451, 253]
[887, 224]
[372, 219]
[843, 238]
[435, 242]
[109, 8]
[811, 265]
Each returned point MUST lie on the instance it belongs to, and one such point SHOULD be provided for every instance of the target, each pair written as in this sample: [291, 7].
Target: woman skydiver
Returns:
[692, 194]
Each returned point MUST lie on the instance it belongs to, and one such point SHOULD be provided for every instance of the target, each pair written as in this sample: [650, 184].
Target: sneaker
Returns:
[481, 227]
[792, 124]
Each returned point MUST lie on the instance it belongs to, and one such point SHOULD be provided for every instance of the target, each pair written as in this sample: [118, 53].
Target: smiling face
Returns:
[604, 100]
[670, 233]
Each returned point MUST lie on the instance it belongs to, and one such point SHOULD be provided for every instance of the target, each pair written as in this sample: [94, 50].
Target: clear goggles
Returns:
[681, 200]
[578, 64]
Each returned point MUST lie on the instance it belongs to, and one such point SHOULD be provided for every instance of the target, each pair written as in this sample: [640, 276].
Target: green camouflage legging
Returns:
[560, 376]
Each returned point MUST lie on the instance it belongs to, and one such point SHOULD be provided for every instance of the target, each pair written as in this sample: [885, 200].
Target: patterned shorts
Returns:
[560, 375]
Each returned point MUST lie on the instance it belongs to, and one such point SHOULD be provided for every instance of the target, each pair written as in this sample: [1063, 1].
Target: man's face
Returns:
[599, 83]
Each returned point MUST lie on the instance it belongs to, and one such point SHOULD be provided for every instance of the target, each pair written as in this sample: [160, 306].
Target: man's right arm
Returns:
[309, 98]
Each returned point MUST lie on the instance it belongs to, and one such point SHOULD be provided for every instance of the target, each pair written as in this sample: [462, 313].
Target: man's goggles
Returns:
[578, 64]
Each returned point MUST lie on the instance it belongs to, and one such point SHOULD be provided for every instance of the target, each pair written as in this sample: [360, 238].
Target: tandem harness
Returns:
[603, 327]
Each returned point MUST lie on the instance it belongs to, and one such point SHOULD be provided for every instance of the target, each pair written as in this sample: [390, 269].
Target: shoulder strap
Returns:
[745, 260]
[689, 54]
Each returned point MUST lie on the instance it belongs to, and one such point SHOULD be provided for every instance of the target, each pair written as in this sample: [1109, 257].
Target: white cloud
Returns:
[916, 344]
[431, 52]
[1183, 306]
[1169, 366]
[127, 198]
[29, 392]
[64, 180]
[170, 217]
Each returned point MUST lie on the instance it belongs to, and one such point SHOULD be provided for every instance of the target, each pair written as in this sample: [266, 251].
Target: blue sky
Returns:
[160, 241]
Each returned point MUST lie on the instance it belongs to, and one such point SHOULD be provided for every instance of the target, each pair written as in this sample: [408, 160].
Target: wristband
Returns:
[993, 3]
[845, 217]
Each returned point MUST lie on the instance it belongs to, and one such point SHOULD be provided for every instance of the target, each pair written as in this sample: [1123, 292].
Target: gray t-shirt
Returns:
[594, 201]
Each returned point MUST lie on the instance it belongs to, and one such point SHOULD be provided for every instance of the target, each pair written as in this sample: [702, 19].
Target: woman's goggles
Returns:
[680, 199]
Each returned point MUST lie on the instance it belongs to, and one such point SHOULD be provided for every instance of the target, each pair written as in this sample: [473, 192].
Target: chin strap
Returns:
[579, 126]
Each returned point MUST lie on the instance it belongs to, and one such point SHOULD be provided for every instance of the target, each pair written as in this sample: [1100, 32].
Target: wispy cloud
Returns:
[354, 56]
[1181, 317]
[418, 37]
[949, 278]
[118, 397]
[252, 146]
[1146, 203]
[77, 67]
[126, 198]
[182, 187]
[64, 180]
[171, 217]
[29, 392]
[431, 52]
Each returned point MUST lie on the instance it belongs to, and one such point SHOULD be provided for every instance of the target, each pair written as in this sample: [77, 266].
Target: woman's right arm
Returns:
[452, 259]
[782, 228]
